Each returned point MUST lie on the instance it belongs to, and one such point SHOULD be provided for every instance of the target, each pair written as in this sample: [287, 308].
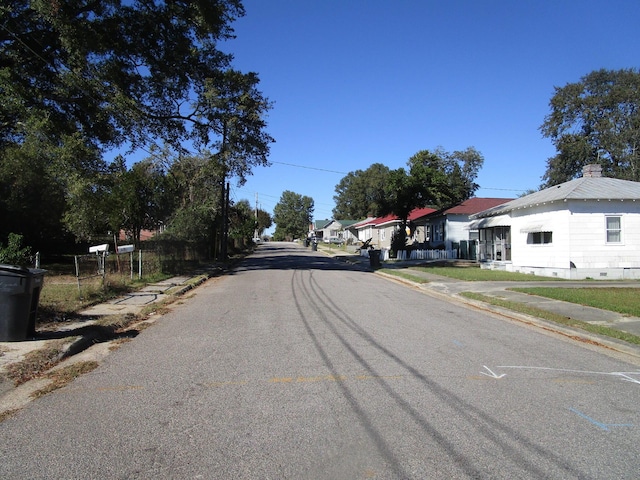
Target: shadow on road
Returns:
[286, 256]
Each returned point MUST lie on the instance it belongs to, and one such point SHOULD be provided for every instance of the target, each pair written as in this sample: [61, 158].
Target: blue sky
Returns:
[357, 82]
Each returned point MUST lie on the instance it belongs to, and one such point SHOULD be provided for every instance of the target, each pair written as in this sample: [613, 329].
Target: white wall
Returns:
[579, 248]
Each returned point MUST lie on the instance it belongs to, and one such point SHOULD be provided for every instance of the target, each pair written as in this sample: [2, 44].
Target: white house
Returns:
[585, 228]
[448, 228]
[339, 229]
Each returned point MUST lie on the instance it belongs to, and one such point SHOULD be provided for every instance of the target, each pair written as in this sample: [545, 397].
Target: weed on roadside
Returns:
[8, 413]
[37, 361]
[63, 376]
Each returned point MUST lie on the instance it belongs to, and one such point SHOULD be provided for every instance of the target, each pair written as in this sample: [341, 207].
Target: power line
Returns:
[310, 168]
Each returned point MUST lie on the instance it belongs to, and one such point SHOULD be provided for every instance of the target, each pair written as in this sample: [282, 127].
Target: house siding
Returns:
[579, 248]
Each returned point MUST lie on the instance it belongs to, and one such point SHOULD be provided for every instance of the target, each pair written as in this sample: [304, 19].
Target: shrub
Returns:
[14, 253]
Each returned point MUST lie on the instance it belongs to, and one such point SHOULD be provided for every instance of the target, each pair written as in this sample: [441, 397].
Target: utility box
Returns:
[19, 297]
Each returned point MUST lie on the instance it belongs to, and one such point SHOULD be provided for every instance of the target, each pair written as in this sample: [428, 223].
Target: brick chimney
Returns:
[593, 170]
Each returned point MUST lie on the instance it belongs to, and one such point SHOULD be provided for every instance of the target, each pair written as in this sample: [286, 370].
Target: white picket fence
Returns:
[416, 254]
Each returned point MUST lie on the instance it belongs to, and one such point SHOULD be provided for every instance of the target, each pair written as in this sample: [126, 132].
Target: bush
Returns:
[398, 241]
[14, 253]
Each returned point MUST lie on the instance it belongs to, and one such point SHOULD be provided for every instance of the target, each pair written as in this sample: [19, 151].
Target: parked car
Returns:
[336, 240]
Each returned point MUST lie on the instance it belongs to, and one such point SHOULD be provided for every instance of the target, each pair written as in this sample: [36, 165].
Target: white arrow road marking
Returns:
[491, 374]
[626, 376]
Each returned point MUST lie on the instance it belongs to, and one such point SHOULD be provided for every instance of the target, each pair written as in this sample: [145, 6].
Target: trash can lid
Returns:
[16, 269]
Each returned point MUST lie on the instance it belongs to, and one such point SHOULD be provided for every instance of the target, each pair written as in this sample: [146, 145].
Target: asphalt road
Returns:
[299, 366]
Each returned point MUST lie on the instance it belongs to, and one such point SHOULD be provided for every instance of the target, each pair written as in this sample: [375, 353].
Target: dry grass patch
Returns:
[65, 375]
[36, 362]
[8, 413]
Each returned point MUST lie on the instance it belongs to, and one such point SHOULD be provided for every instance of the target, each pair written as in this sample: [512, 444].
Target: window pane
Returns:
[613, 223]
[613, 236]
[614, 230]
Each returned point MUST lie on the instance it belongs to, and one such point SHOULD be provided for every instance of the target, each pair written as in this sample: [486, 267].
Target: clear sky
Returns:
[357, 82]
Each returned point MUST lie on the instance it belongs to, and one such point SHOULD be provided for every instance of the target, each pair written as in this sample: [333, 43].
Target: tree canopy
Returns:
[292, 215]
[361, 193]
[595, 120]
[432, 178]
[113, 71]
[79, 79]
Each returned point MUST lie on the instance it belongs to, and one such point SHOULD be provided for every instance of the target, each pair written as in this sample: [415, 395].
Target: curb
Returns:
[13, 398]
[574, 334]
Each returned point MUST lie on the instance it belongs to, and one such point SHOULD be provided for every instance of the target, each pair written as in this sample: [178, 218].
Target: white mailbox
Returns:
[99, 248]
[125, 249]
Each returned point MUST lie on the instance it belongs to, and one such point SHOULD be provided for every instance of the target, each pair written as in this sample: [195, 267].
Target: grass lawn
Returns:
[553, 317]
[403, 273]
[477, 274]
[621, 300]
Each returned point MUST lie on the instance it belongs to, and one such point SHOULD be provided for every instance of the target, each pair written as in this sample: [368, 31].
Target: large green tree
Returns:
[196, 185]
[432, 178]
[292, 215]
[361, 193]
[595, 120]
[114, 71]
[83, 77]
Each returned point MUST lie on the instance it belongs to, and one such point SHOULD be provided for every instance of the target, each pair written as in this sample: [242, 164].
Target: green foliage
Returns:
[361, 193]
[398, 240]
[232, 109]
[622, 300]
[292, 215]
[438, 179]
[195, 183]
[112, 71]
[264, 221]
[595, 120]
[80, 78]
[242, 221]
[476, 274]
[14, 253]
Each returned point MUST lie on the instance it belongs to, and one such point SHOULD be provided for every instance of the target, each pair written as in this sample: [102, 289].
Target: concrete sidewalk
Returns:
[83, 331]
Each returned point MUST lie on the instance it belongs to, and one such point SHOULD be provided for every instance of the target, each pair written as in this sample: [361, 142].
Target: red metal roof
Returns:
[475, 205]
[416, 213]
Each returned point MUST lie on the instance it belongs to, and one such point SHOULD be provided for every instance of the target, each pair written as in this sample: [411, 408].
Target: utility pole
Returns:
[225, 224]
[255, 232]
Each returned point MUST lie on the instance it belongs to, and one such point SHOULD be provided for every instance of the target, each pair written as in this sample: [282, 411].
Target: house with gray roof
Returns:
[588, 227]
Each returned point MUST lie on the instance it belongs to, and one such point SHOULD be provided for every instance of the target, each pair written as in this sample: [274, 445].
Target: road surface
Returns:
[297, 366]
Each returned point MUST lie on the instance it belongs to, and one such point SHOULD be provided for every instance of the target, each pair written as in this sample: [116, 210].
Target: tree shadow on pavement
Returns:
[88, 335]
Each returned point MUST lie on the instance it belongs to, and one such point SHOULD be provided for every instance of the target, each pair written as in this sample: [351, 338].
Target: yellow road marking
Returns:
[120, 388]
[224, 384]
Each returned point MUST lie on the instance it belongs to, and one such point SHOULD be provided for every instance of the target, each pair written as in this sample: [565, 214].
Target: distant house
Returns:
[448, 228]
[316, 229]
[326, 230]
[380, 229]
[338, 230]
[585, 228]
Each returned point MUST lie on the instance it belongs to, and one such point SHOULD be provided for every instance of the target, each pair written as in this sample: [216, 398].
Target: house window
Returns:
[539, 238]
[614, 229]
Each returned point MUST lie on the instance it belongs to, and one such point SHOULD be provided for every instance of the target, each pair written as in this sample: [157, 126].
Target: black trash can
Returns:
[374, 258]
[314, 246]
[19, 297]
